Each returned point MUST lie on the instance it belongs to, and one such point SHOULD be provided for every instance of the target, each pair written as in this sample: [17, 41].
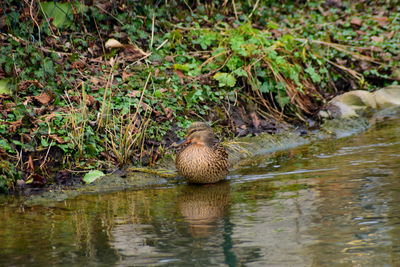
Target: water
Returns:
[331, 203]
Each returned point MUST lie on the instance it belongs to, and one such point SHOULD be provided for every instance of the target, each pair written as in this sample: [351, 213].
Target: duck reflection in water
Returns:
[204, 206]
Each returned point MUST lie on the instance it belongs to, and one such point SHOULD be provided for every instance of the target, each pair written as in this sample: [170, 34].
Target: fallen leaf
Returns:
[94, 80]
[169, 58]
[126, 75]
[133, 53]
[43, 98]
[356, 21]
[134, 93]
[389, 35]
[146, 107]
[14, 125]
[168, 113]
[92, 176]
[377, 39]
[89, 100]
[30, 163]
[112, 43]
[78, 65]
[135, 50]
[58, 139]
[382, 20]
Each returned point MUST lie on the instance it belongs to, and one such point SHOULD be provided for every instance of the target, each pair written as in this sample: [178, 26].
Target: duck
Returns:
[202, 159]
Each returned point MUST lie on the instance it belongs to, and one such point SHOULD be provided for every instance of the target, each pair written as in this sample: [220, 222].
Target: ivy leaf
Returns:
[313, 74]
[225, 79]
[240, 72]
[265, 87]
[282, 100]
[92, 176]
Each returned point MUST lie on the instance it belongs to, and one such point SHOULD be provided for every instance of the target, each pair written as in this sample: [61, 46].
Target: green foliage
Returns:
[61, 14]
[8, 175]
[225, 79]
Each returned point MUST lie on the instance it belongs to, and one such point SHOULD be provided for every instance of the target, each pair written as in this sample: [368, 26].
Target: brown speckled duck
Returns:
[202, 160]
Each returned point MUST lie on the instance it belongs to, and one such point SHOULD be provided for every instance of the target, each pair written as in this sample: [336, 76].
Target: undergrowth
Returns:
[110, 83]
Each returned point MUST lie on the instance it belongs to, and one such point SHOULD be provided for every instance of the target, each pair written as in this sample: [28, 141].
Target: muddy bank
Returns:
[245, 151]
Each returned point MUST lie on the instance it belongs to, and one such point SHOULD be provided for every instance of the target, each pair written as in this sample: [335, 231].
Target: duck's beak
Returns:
[181, 142]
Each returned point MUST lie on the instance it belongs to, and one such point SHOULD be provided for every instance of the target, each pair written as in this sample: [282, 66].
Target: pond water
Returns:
[330, 203]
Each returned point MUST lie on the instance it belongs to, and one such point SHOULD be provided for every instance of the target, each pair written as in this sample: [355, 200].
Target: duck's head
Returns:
[199, 133]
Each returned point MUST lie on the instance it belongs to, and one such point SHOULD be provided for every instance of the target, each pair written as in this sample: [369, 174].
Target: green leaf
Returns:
[183, 67]
[234, 62]
[205, 38]
[266, 87]
[313, 74]
[282, 100]
[6, 146]
[225, 79]
[61, 13]
[240, 73]
[92, 176]
[5, 87]
[273, 25]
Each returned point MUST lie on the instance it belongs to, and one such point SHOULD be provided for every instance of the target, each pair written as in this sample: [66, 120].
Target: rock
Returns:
[347, 104]
[337, 109]
[358, 99]
[388, 97]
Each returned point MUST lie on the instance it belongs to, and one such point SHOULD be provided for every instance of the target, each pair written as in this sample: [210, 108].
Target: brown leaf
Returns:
[126, 75]
[356, 21]
[78, 65]
[169, 58]
[30, 163]
[14, 125]
[134, 93]
[146, 107]
[23, 85]
[133, 53]
[94, 80]
[168, 113]
[377, 39]
[89, 100]
[389, 35]
[382, 20]
[43, 98]
[276, 33]
[135, 50]
[180, 75]
[58, 139]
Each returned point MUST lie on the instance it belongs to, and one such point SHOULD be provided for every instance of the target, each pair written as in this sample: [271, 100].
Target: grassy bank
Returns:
[99, 84]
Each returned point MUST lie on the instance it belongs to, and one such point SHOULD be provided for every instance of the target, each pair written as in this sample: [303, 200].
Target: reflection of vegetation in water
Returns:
[349, 213]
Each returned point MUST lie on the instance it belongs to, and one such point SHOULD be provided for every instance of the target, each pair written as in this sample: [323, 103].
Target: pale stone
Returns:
[388, 97]
[357, 99]
[337, 109]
